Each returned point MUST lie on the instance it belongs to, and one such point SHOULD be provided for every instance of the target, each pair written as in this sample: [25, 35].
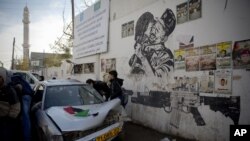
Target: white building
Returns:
[166, 99]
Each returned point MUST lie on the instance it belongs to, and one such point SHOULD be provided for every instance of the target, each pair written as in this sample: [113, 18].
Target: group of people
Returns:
[15, 100]
[111, 88]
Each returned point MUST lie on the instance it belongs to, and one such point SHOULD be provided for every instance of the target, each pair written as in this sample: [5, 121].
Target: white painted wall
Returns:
[216, 25]
[62, 72]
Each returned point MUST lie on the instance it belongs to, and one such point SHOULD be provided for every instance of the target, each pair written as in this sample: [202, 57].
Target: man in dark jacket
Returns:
[116, 86]
[25, 93]
[101, 87]
[9, 107]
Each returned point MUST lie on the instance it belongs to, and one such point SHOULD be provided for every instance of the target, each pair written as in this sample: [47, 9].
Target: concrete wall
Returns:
[62, 72]
[152, 90]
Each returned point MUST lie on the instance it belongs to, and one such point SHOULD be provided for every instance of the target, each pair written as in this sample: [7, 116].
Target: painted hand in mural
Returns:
[151, 33]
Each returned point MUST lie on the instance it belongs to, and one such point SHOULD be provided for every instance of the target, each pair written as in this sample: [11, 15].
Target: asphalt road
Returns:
[135, 132]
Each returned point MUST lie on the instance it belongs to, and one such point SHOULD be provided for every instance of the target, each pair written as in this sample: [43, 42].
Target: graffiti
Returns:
[150, 51]
[177, 103]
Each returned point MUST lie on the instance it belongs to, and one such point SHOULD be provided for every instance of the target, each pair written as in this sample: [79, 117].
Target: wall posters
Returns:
[179, 57]
[192, 59]
[189, 10]
[207, 82]
[241, 54]
[186, 84]
[224, 51]
[182, 13]
[88, 68]
[208, 57]
[128, 29]
[194, 9]
[223, 80]
[78, 69]
[110, 64]
[91, 30]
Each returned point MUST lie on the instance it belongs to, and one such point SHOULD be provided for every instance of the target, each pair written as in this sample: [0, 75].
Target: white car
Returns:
[28, 76]
[68, 110]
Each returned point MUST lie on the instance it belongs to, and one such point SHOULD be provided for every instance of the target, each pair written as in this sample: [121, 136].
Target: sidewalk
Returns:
[135, 132]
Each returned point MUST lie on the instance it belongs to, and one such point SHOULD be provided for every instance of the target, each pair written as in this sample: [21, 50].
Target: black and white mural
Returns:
[179, 96]
[151, 54]
[176, 103]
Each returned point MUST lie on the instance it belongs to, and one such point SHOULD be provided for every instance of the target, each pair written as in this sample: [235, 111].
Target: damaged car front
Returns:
[70, 111]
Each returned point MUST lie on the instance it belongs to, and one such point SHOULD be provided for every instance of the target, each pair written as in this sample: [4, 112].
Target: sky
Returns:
[46, 24]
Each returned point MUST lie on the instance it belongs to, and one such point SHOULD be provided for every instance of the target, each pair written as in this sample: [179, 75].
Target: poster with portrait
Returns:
[179, 57]
[209, 49]
[223, 63]
[186, 84]
[224, 51]
[103, 65]
[192, 59]
[124, 30]
[241, 54]
[208, 62]
[110, 64]
[130, 28]
[88, 68]
[127, 29]
[182, 13]
[192, 52]
[207, 82]
[192, 63]
[194, 9]
[77, 68]
[208, 57]
[223, 81]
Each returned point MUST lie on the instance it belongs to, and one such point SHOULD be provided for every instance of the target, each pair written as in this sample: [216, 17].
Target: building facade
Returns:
[168, 53]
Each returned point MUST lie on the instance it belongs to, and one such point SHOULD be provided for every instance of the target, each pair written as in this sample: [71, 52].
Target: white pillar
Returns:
[26, 44]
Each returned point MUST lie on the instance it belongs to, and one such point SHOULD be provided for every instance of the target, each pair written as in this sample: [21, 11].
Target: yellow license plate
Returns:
[109, 134]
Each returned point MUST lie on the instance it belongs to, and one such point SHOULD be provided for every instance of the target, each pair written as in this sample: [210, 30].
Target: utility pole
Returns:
[73, 17]
[12, 61]
[43, 67]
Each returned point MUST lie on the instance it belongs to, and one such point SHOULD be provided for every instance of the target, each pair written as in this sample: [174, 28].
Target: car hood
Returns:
[70, 122]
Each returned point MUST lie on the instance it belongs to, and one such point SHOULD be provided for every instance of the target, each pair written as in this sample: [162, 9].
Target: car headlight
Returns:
[113, 117]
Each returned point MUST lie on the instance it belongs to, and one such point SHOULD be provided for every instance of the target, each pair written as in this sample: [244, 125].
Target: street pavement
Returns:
[136, 132]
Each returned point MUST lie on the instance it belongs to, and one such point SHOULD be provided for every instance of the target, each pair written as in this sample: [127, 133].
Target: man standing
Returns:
[116, 87]
[9, 107]
[101, 87]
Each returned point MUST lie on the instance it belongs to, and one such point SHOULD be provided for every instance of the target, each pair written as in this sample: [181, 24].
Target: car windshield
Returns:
[71, 95]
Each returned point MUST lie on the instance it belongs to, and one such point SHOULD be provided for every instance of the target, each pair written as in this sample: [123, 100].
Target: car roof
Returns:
[58, 82]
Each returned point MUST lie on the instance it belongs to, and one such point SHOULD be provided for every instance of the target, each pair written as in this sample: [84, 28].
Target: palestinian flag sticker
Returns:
[76, 111]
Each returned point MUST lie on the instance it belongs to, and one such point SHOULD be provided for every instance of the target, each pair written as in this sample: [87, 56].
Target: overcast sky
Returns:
[46, 24]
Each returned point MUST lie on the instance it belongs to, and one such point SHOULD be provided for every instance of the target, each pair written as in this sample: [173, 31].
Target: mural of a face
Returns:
[150, 35]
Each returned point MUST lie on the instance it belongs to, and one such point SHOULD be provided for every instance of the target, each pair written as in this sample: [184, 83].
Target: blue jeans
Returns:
[26, 125]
